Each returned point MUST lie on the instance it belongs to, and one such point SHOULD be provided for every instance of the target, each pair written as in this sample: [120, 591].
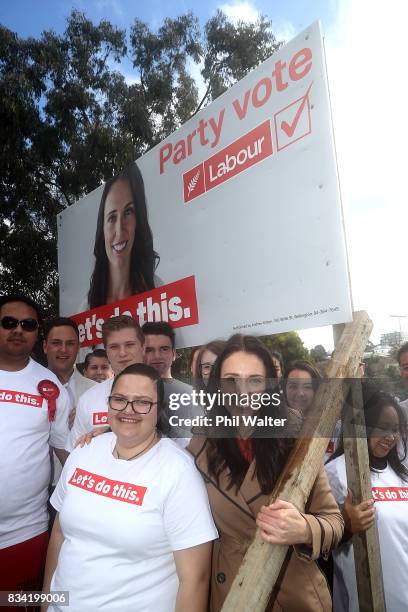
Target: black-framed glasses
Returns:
[27, 325]
[138, 405]
[206, 368]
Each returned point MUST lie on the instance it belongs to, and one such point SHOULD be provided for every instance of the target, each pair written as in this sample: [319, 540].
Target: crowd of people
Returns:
[148, 515]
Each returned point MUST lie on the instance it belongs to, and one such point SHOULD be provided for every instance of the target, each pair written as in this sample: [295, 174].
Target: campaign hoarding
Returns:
[244, 207]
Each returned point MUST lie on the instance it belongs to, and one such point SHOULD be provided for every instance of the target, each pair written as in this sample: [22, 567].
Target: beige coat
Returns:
[302, 587]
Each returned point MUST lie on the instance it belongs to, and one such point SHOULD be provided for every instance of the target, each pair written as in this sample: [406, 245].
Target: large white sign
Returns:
[244, 207]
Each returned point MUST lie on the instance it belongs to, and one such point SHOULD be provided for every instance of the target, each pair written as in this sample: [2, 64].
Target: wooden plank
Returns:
[366, 544]
[262, 563]
[338, 329]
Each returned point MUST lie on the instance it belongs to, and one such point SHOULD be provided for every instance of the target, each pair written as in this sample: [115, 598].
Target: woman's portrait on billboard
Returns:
[125, 260]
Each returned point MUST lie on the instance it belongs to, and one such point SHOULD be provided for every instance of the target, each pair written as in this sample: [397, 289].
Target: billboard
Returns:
[244, 208]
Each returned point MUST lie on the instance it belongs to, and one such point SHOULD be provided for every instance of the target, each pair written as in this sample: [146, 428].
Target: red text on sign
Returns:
[209, 132]
[241, 154]
[175, 302]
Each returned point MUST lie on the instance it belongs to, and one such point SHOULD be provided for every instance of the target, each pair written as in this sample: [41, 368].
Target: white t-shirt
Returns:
[391, 502]
[121, 521]
[25, 436]
[91, 411]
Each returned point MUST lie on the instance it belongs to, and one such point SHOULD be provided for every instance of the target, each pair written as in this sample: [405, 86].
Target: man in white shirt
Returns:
[61, 346]
[97, 366]
[34, 411]
[123, 340]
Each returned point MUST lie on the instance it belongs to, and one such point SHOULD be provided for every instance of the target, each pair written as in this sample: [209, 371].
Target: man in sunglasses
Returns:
[34, 411]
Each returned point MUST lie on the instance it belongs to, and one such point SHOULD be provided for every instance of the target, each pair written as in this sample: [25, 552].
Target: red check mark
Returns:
[289, 128]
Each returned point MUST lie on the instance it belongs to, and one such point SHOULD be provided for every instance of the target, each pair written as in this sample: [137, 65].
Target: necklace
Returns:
[115, 450]
[378, 463]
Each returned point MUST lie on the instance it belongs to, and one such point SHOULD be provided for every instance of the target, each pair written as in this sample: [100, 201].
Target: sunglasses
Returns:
[27, 325]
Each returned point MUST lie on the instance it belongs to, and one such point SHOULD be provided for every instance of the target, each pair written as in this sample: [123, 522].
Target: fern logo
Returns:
[192, 184]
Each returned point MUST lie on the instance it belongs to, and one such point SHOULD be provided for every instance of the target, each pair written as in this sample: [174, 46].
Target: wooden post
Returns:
[366, 545]
[262, 563]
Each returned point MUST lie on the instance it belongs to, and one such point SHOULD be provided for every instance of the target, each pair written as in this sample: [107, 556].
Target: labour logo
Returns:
[193, 182]
[238, 156]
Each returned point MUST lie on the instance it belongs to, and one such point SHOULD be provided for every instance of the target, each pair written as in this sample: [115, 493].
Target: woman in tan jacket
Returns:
[240, 470]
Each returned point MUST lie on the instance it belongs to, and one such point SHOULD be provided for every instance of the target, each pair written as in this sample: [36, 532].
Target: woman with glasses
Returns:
[388, 507]
[134, 529]
[241, 469]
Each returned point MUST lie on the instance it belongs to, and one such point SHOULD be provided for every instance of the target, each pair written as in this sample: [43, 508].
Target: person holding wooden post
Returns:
[241, 471]
[387, 448]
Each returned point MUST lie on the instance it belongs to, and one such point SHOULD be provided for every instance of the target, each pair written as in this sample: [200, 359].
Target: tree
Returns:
[70, 120]
[369, 347]
[318, 353]
[233, 50]
[394, 353]
[289, 344]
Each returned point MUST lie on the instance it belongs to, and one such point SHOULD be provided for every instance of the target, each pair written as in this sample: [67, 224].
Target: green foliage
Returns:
[70, 119]
[233, 50]
[384, 375]
[318, 353]
[394, 352]
[289, 344]
[369, 347]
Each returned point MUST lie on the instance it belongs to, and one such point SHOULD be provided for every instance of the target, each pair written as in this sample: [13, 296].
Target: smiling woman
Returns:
[387, 451]
[133, 510]
[240, 472]
[300, 385]
[124, 257]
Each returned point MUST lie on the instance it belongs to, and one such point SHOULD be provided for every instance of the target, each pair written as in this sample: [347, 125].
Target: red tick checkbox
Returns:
[293, 122]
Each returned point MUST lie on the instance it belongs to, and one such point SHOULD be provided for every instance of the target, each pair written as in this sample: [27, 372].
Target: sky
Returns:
[369, 97]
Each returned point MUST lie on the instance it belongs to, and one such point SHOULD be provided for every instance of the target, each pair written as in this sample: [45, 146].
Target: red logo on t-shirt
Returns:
[390, 493]
[21, 397]
[115, 489]
[100, 418]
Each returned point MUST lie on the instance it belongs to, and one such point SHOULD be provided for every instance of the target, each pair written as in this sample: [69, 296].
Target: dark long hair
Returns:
[144, 259]
[373, 408]
[270, 453]
[304, 366]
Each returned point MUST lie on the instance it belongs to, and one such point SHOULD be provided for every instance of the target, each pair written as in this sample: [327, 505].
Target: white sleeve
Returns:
[186, 511]
[60, 491]
[59, 431]
[81, 425]
[337, 483]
